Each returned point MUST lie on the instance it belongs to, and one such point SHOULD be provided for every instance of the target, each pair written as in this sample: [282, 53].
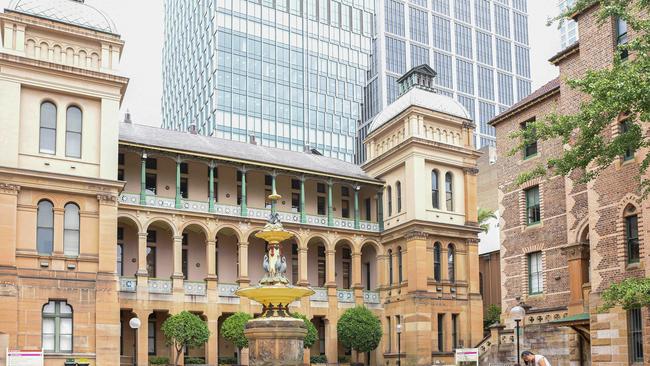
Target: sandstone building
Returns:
[103, 221]
[564, 242]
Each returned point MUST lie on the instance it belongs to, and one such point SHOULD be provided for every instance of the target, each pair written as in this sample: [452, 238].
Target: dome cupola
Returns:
[75, 12]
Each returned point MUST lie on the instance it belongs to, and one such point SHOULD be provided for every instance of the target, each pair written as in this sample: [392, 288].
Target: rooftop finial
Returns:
[418, 77]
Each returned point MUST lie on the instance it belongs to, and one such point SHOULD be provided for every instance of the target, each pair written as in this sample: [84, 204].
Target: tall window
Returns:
[621, 36]
[368, 211]
[120, 251]
[151, 336]
[71, 230]
[295, 195]
[632, 238]
[535, 273]
[441, 332]
[390, 266]
[635, 331]
[347, 264]
[435, 190]
[436, 262]
[400, 273]
[398, 187]
[533, 212]
[451, 265]
[45, 227]
[151, 253]
[47, 133]
[390, 200]
[320, 203]
[73, 132]
[454, 330]
[629, 152]
[449, 191]
[150, 177]
[321, 266]
[57, 327]
[530, 149]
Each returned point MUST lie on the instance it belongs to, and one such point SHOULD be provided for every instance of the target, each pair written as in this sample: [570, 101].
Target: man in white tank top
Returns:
[534, 360]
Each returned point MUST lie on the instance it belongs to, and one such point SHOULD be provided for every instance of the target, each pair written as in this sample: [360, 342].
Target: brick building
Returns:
[103, 221]
[564, 242]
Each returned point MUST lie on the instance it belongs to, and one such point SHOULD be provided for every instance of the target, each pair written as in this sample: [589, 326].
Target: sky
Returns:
[140, 23]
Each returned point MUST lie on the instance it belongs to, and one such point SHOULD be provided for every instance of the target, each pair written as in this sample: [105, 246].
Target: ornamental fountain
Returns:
[275, 338]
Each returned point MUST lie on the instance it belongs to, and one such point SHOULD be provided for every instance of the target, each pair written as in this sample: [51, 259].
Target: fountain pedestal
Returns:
[275, 341]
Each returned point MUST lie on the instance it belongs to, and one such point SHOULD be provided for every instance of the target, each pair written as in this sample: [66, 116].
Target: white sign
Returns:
[466, 355]
[24, 358]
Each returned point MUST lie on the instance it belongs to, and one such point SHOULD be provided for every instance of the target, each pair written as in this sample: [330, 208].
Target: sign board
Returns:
[24, 358]
[466, 355]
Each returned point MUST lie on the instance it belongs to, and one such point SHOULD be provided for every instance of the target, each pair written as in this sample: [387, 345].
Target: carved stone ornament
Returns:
[471, 171]
[9, 188]
[416, 235]
[107, 198]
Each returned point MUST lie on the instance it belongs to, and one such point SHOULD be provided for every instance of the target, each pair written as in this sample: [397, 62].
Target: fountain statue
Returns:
[275, 338]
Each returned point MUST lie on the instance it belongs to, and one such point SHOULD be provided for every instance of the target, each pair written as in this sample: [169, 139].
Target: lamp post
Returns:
[517, 314]
[135, 323]
[399, 345]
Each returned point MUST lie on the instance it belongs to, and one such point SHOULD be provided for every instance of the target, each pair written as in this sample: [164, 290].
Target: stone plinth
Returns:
[275, 341]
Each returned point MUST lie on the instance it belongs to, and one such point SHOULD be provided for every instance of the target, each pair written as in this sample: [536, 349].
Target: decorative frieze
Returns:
[8, 188]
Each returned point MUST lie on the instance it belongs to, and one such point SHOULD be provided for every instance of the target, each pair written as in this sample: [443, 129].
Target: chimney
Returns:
[127, 117]
[192, 129]
[251, 139]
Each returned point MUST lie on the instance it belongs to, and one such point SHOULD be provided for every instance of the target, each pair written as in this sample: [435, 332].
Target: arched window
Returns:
[398, 187]
[390, 266]
[390, 200]
[436, 262]
[632, 235]
[435, 190]
[71, 230]
[451, 266]
[45, 227]
[47, 133]
[449, 191]
[400, 273]
[57, 327]
[73, 132]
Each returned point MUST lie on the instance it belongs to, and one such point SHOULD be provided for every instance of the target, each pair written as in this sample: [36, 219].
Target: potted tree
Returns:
[185, 330]
[359, 329]
[232, 330]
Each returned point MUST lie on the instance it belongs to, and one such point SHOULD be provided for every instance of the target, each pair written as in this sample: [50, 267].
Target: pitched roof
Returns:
[540, 93]
[243, 152]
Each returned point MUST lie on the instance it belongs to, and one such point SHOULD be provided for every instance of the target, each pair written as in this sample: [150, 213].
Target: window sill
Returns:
[531, 157]
[533, 226]
[633, 266]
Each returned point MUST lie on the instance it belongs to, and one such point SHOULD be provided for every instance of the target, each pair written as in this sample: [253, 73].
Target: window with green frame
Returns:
[533, 211]
[57, 327]
[632, 238]
[535, 273]
[530, 149]
[629, 152]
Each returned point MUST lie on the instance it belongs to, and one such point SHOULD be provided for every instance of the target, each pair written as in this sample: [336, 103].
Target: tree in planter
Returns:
[232, 330]
[312, 333]
[492, 316]
[185, 330]
[359, 329]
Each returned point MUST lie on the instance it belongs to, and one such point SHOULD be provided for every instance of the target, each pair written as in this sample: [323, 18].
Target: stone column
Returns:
[212, 347]
[57, 248]
[142, 274]
[143, 337]
[356, 278]
[178, 183]
[380, 209]
[577, 256]
[330, 213]
[143, 179]
[303, 276]
[243, 263]
[177, 276]
[211, 187]
[330, 275]
[211, 279]
[416, 259]
[331, 342]
[357, 215]
[303, 214]
[471, 205]
[8, 222]
[244, 208]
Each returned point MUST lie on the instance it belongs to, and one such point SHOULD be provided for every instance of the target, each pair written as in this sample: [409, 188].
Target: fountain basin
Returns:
[275, 294]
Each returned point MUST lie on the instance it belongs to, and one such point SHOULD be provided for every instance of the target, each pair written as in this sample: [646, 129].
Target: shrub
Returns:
[185, 330]
[233, 327]
[492, 315]
[155, 360]
[194, 361]
[344, 359]
[359, 329]
[312, 333]
[318, 359]
[227, 360]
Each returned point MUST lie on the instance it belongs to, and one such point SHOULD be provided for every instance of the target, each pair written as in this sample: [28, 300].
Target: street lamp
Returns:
[135, 323]
[517, 314]
[399, 345]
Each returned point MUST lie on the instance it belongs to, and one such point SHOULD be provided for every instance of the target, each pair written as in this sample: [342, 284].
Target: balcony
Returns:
[253, 213]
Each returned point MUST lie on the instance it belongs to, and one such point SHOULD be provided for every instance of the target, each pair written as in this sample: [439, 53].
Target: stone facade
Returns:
[142, 226]
[581, 237]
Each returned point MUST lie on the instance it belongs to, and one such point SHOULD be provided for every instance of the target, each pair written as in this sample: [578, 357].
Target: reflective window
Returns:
[45, 228]
[502, 20]
[442, 65]
[465, 73]
[56, 329]
[71, 226]
[441, 6]
[441, 33]
[449, 191]
[398, 187]
[435, 190]
[73, 132]
[482, 14]
[436, 262]
[485, 83]
[395, 55]
[504, 57]
[419, 56]
[419, 26]
[462, 10]
[451, 263]
[394, 17]
[484, 48]
[48, 128]
[632, 238]
[463, 41]
[505, 89]
[535, 273]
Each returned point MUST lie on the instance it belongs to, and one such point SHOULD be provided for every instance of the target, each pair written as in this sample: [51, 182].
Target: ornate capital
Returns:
[471, 171]
[576, 251]
[472, 241]
[416, 235]
[469, 125]
[106, 198]
[9, 188]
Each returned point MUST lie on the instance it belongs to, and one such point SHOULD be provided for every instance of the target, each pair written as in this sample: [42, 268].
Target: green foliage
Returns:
[484, 215]
[312, 333]
[155, 360]
[318, 359]
[492, 315]
[610, 94]
[232, 329]
[194, 361]
[631, 293]
[227, 360]
[185, 330]
[359, 329]
[344, 359]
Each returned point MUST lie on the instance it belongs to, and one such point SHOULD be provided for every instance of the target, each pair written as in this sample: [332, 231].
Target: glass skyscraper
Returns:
[479, 48]
[568, 28]
[289, 72]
